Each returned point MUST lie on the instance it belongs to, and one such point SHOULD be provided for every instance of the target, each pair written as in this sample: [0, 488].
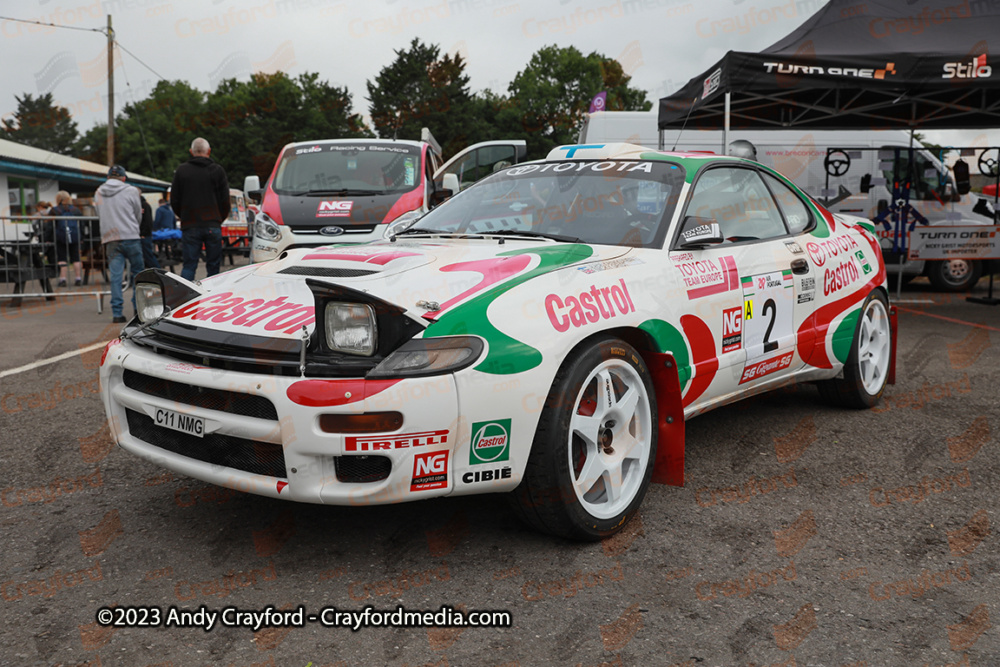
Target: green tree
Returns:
[422, 88]
[551, 95]
[246, 123]
[152, 136]
[252, 120]
[41, 123]
[93, 145]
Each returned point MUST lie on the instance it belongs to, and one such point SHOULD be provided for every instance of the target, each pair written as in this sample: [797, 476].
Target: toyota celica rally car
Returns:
[546, 333]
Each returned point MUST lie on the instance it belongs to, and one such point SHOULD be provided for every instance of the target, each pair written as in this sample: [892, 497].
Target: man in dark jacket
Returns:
[199, 195]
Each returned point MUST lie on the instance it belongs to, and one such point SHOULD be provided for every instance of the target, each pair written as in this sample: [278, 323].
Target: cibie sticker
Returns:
[490, 442]
[430, 471]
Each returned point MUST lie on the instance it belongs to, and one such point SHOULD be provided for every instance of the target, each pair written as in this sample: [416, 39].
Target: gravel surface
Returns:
[805, 535]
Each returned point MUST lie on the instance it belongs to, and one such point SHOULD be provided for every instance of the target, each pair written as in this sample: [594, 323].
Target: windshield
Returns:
[612, 202]
[350, 169]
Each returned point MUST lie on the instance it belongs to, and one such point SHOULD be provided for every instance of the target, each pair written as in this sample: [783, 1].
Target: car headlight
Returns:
[266, 229]
[148, 301]
[350, 328]
[402, 223]
[430, 356]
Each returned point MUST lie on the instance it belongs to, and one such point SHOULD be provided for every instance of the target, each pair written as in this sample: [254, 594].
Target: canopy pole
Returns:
[725, 129]
[902, 256]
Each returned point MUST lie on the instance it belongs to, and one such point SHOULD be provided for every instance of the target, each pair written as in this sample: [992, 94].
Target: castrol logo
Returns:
[277, 314]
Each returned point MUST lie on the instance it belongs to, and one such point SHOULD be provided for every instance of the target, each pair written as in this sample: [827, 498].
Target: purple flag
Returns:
[597, 104]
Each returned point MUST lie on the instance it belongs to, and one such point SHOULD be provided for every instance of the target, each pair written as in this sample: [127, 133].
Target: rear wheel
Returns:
[954, 275]
[591, 459]
[867, 366]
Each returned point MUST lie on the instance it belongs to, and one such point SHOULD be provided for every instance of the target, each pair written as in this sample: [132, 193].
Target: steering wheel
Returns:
[988, 165]
[837, 163]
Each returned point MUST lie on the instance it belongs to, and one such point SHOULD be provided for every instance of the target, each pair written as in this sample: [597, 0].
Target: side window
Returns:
[482, 162]
[795, 210]
[739, 201]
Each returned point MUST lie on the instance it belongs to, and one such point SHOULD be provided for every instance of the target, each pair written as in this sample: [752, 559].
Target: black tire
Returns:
[549, 497]
[955, 275]
[854, 389]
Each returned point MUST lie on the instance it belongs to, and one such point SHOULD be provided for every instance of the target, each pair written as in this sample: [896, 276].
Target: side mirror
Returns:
[251, 187]
[866, 183]
[450, 182]
[439, 197]
[700, 232]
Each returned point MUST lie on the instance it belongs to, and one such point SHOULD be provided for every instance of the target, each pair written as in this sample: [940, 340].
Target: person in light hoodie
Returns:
[120, 211]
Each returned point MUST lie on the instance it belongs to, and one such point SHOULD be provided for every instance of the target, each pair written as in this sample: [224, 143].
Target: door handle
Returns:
[800, 266]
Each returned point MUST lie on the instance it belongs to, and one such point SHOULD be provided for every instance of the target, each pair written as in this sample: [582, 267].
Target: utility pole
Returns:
[111, 93]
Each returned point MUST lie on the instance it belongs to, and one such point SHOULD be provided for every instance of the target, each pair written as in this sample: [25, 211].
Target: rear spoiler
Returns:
[427, 137]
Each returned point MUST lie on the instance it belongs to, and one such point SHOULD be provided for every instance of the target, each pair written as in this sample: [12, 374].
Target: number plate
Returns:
[180, 422]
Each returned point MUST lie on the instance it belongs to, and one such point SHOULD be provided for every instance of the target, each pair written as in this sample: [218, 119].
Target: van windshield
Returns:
[611, 202]
[929, 175]
[364, 168]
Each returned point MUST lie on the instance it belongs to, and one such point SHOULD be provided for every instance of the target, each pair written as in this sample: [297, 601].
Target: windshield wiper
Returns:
[329, 193]
[415, 230]
[531, 234]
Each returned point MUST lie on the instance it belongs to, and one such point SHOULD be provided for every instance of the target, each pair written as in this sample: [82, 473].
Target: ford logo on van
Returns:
[331, 230]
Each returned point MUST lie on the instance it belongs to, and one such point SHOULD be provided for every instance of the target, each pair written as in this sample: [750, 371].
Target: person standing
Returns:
[67, 237]
[199, 195]
[119, 212]
[146, 234]
[165, 218]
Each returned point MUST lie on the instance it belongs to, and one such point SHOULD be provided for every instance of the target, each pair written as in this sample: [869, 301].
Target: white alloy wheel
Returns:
[874, 346]
[610, 436]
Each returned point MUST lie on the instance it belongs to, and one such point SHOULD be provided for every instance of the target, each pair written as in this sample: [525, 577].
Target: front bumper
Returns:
[262, 432]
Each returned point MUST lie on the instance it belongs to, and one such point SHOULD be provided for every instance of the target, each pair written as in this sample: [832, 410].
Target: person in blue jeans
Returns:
[120, 212]
[199, 195]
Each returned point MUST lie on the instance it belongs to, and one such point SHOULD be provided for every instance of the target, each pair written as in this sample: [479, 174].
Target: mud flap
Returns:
[893, 321]
[669, 465]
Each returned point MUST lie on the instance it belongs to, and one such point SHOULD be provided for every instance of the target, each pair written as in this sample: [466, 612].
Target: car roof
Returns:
[361, 141]
[624, 151]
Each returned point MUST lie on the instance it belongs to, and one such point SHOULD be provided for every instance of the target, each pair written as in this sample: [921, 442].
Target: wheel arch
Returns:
[669, 465]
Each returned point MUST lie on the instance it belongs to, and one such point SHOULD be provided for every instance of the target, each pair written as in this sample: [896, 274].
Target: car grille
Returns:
[362, 469]
[324, 272]
[258, 458]
[348, 229]
[232, 402]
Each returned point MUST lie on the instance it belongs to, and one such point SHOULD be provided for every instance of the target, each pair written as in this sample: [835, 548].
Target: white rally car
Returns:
[546, 332]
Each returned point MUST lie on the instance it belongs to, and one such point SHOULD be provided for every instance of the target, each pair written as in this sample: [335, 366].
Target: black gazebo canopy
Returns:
[876, 65]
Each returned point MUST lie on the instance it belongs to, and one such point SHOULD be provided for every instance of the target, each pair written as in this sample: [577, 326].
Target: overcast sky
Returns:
[661, 43]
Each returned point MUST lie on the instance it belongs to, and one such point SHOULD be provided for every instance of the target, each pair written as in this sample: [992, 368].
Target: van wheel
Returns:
[867, 367]
[591, 458]
[954, 275]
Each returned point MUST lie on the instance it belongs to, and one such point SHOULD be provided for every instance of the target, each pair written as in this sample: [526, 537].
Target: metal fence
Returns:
[39, 251]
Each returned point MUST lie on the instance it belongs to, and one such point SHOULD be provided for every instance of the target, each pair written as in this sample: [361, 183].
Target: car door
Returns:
[481, 160]
[742, 289]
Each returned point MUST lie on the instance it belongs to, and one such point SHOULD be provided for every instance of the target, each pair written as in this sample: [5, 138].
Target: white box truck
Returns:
[860, 182]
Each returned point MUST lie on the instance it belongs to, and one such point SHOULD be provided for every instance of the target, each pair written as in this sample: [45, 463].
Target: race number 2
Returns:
[767, 314]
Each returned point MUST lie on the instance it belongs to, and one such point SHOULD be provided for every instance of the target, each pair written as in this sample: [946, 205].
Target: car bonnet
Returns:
[426, 279]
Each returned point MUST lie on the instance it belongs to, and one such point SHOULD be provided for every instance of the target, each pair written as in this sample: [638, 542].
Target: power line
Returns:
[138, 112]
[53, 25]
[119, 45]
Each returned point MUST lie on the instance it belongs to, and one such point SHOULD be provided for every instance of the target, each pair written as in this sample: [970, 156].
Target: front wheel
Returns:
[954, 275]
[867, 366]
[591, 459]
